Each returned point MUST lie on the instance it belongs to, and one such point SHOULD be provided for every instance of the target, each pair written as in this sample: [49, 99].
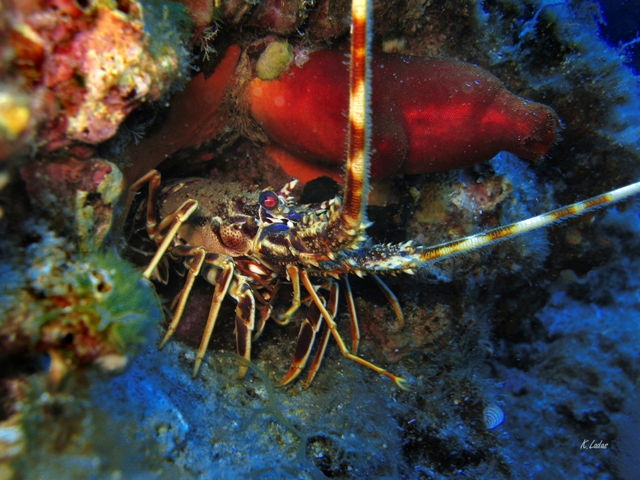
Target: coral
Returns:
[15, 120]
[85, 69]
[79, 308]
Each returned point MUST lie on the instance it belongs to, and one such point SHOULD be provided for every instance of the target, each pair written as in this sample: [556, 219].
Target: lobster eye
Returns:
[269, 200]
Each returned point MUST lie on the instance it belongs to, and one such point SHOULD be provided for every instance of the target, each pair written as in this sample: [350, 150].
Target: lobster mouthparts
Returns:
[429, 115]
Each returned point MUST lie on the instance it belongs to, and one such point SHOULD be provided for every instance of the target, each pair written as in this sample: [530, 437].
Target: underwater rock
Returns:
[197, 115]
[279, 17]
[329, 20]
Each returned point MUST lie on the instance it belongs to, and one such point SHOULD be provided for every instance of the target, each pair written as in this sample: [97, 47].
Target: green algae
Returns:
[86, 305]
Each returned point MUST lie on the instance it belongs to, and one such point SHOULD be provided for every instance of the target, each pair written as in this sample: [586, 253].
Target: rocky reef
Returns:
[516, 355]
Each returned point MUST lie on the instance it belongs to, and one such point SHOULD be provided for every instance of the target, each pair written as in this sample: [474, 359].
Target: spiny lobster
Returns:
[246, 243]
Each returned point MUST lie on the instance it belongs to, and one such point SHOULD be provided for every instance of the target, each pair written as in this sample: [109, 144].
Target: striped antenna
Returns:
[431, 254]
[356, 182]
[407, 258]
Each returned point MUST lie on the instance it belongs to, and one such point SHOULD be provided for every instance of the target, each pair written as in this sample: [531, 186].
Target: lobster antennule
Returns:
[407, 258]
[353, 217]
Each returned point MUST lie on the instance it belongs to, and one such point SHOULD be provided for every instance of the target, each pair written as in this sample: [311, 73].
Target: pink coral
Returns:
[85, 69]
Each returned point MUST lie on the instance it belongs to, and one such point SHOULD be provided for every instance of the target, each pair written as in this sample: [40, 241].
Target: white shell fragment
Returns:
[493, 416]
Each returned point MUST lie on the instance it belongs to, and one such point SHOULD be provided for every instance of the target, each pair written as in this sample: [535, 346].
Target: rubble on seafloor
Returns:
[539, 328]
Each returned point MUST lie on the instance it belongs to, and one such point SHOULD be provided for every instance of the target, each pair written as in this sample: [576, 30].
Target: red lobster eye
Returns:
[269, 200]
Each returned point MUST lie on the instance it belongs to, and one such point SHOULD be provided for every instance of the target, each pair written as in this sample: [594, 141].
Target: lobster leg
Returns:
[171, 223]
[306, 337]
[391, 298]
[401, 382]
[332, 307]
[199, 255]
[245, 320]
[178, 218]
[265, 310]
[353, 315]
[222, 286]
[293, 273]
[152, 177]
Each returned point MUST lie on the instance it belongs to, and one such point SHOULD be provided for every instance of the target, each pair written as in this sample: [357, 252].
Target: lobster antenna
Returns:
[407, 258]
[356, 181]
[439, 252]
